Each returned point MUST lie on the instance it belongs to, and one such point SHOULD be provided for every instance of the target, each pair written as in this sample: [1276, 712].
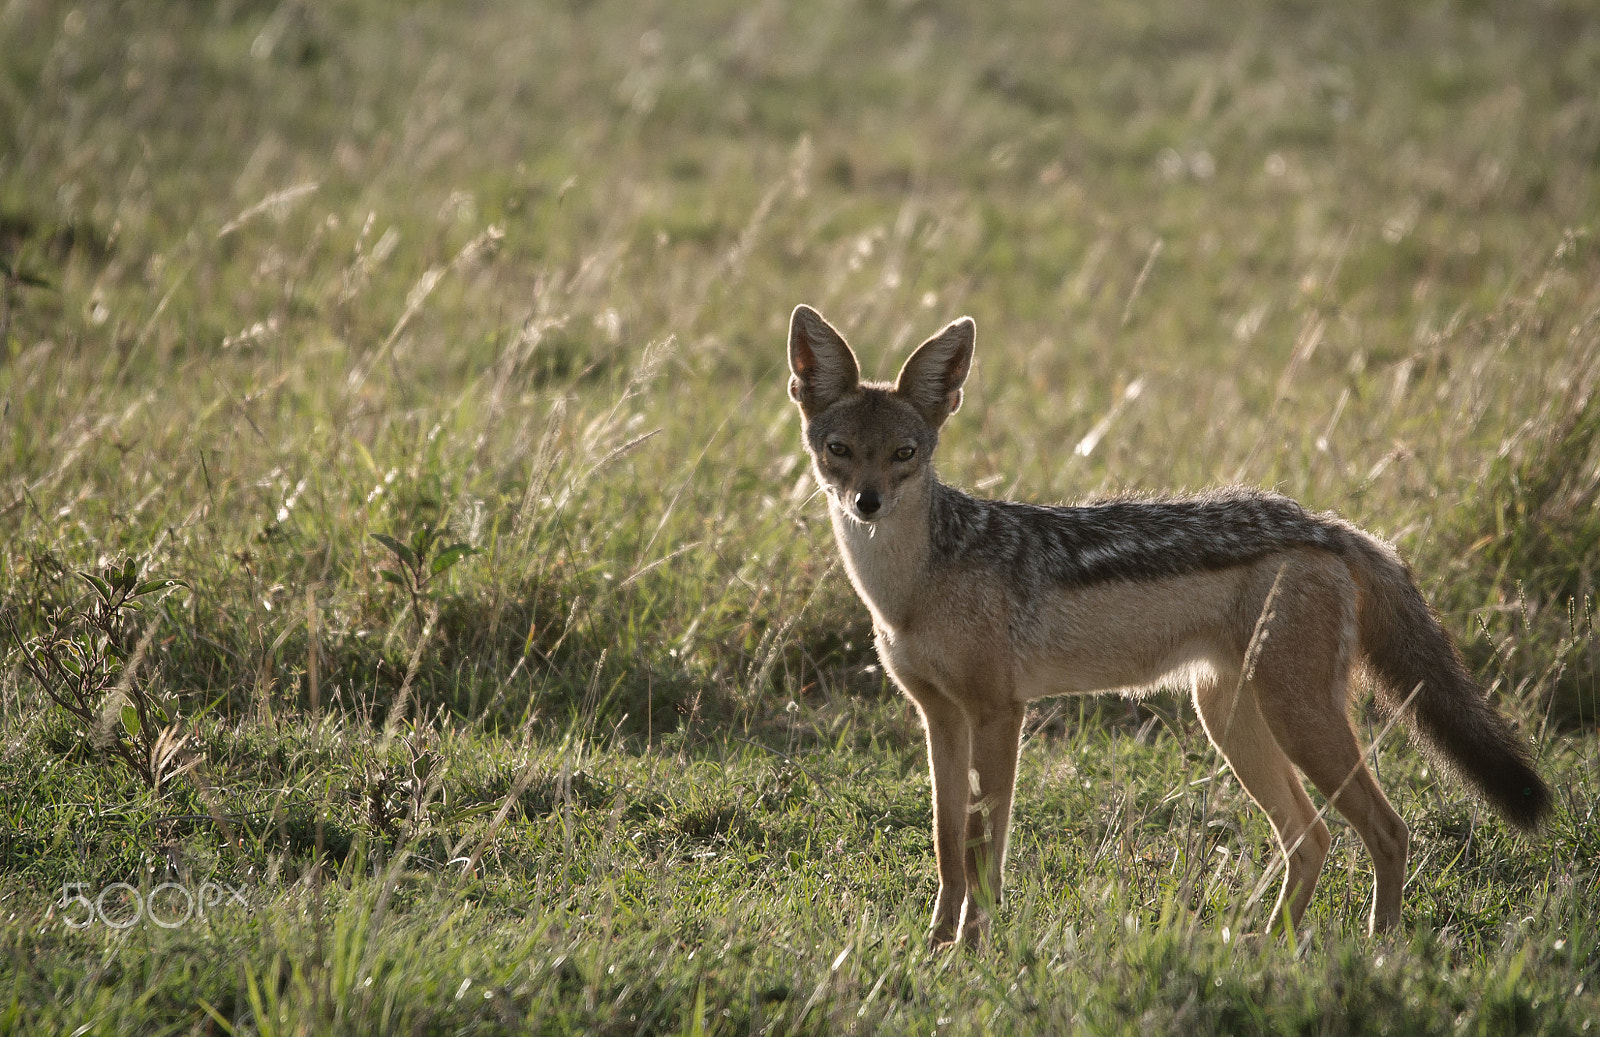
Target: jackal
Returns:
[1261, 608]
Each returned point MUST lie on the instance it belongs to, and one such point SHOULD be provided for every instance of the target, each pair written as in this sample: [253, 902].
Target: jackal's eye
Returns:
[838, 449]
[904, 453]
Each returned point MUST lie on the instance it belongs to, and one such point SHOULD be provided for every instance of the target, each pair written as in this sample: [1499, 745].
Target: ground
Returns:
[400, 499]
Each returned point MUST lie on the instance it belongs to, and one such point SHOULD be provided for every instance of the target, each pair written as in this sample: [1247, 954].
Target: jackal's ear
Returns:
[822, 367]
[932, 378]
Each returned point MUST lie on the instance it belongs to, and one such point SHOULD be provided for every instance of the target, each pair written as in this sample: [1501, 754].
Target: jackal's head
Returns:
[870, 441]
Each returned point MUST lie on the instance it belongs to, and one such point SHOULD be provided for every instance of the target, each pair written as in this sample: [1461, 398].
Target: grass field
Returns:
[399, 494]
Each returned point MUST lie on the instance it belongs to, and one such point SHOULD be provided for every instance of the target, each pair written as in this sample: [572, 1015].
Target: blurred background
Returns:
[1343, 252]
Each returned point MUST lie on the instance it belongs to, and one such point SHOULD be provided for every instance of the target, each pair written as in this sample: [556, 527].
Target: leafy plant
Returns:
[88, 667]
[12, 277]
[419, 562]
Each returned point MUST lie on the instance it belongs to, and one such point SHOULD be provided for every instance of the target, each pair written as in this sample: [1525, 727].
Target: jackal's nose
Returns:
[868, 502]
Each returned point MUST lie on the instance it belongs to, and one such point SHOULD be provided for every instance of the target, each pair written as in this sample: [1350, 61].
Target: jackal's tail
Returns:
[1450, 717]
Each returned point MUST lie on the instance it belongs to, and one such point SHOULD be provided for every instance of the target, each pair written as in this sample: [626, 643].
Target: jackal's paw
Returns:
[969, 935]
[1250, 941]
[1259, 941]
[975, 931]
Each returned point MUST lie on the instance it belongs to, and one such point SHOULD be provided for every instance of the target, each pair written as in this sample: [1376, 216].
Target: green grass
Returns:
[284, 279]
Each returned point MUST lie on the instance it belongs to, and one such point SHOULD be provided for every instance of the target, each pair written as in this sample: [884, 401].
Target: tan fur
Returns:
[974, 628]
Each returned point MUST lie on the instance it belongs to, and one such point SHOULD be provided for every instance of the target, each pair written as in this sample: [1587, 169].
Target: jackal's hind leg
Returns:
[1302, 685]
[1329, 755]
[1233, 720]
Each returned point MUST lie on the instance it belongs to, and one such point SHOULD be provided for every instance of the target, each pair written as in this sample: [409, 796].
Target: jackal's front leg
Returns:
[949, 759]
[996, 737]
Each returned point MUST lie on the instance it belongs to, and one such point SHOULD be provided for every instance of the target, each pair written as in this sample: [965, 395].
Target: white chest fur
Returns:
[886, 560]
